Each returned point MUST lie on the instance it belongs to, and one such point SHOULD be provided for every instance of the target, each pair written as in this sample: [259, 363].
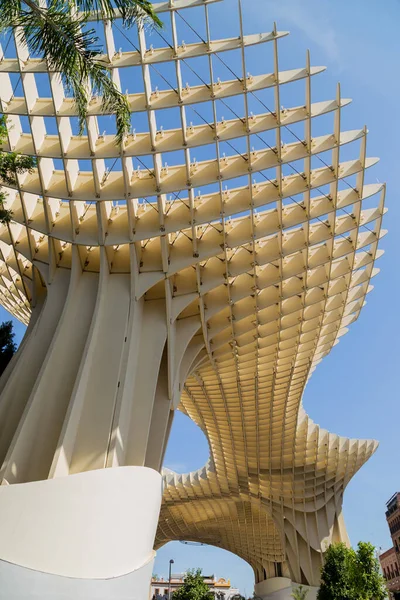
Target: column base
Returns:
[281, 588]
[88, 536]
[20, 583]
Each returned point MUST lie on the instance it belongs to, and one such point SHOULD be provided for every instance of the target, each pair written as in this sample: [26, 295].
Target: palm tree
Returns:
[57, 30]
[299, 593]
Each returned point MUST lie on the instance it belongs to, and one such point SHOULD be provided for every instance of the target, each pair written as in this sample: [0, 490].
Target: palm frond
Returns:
[9, 10]
[59, 32]
[130, 10]
[60, 36]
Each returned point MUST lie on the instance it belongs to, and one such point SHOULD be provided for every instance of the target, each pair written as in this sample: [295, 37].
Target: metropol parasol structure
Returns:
[152, 280]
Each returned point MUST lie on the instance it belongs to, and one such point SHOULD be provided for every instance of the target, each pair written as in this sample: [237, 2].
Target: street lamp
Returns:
[171, 562]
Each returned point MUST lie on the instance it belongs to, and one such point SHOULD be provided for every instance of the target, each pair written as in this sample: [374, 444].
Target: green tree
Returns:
[336, 574]
[299, 593]
[7, 345]
[11, 164]
[59, 31]
[351, 575]
[193, 588]
[368, 580]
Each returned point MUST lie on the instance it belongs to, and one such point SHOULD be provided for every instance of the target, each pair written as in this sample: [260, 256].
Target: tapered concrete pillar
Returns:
[90, 381]
[85, 412]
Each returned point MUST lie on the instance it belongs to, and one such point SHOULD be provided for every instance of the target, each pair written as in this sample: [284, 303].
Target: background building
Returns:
[159, 586]
[390, 560]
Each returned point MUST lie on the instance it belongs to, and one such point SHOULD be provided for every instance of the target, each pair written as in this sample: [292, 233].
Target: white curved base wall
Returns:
[19, 583]
[89, 535]
[281, 588]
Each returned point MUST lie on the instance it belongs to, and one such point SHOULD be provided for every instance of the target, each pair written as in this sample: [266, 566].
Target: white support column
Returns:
[88, 390]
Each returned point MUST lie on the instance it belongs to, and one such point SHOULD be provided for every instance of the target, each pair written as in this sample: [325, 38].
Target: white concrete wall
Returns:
[94, 525]
[19, 583]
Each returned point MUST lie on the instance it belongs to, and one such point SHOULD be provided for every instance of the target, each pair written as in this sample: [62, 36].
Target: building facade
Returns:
[221, 588]
[390, 560]
[151, 281]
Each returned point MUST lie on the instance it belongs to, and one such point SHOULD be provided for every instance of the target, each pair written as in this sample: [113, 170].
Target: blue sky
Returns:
[354, 392]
